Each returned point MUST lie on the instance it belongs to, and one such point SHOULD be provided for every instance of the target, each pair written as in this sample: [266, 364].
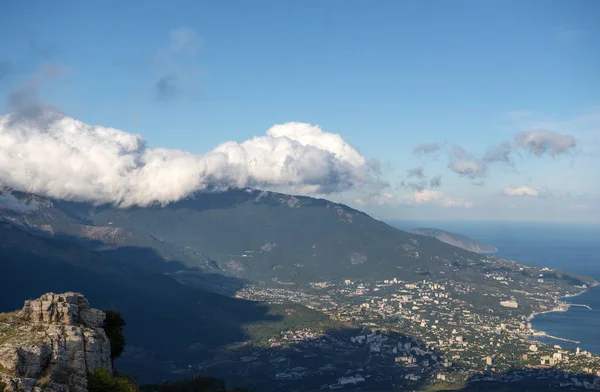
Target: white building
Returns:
[533, 348]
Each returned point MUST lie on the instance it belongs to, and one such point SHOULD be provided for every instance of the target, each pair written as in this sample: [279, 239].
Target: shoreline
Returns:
[561, 308]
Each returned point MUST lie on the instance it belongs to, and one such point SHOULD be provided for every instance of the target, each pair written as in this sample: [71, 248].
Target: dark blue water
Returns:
[570, 246]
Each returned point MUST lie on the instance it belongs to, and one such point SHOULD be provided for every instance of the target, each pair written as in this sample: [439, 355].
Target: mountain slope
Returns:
[459, 240]
[258, 237]
[166, 321]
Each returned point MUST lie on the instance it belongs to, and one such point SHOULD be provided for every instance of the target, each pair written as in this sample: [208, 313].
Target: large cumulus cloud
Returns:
[68, 159]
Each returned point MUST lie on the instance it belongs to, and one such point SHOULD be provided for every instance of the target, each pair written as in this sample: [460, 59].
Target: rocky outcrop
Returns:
[51, 344]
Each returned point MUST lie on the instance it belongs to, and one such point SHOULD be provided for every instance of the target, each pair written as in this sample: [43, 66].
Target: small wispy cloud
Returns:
[175, 62]
[166, 87]
[585, 128]
[466, 165]
[435, 181]
[419, 197]
[417, 186]
[429, 196]
[499, 153]
[540, 142]
[25, 103]
[417, 172]
[476, 167]
[427, 148]
[524, 190]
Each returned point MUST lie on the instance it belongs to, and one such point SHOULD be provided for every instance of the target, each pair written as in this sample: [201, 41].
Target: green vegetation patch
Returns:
[7, 332]
[291, 317]
[12, 317]
[102, 381]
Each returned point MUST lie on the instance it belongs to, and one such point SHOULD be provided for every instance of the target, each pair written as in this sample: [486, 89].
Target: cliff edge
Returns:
[51, 344]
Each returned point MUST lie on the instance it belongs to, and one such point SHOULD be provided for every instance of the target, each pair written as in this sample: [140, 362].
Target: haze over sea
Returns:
[574, 247]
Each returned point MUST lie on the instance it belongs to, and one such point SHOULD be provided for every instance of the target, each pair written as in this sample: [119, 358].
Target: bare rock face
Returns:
[51, 344]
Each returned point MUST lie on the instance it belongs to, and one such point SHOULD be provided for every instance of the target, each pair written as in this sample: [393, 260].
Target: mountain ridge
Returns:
[255, 235]
[252, 236]
[455, 239]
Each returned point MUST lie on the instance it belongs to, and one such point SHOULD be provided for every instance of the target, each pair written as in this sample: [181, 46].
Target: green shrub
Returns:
[102, 381]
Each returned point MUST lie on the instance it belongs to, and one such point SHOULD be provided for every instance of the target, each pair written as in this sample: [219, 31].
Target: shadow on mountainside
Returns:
[328, 360]
[148, 259]
[164, 317]
[175, 331]
[529, 380]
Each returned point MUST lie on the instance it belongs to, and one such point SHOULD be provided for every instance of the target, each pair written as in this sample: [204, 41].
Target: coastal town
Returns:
[437, 332]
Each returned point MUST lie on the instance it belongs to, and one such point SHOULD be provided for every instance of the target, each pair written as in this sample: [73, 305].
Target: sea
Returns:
[573, 247]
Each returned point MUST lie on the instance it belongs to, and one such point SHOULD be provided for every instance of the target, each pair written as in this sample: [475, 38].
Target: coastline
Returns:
[561, 307]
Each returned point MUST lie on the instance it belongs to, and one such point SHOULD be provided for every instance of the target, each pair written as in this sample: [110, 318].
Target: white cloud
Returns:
[540, 142]
[428, 196]
[499, 153]
[360, 202]
[585, 127]
[421, 197]
[427, 148]
[466, 164]
[310, 135]
[418, 172]
[524, 190]
[72, 160]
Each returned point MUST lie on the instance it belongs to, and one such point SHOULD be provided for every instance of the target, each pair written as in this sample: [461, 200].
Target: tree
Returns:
[113, 326]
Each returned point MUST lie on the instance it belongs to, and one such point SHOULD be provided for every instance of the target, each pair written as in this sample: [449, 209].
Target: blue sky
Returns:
[385, 75]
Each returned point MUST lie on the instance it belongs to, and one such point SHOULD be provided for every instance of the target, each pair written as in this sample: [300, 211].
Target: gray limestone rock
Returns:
[51, 344]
